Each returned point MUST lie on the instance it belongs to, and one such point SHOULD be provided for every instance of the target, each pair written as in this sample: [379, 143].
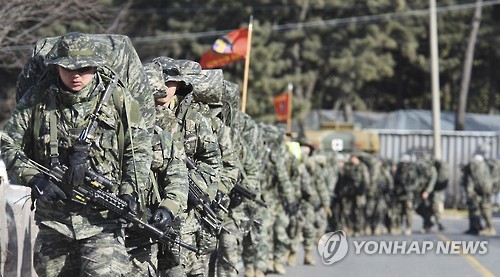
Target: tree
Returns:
[466, 73]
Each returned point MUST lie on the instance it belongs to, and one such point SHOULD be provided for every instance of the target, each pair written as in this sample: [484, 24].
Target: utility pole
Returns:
[436, 107]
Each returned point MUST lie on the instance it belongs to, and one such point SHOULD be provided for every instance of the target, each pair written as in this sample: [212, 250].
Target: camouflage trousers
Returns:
[228, 255]
[374, 212]
[480, 206]
[352, 213]
[403, 214]
[437, 200]
[143, 254]
[278, 239]
[306, 230]
[263, 248]
[101, 255]
[321, 222]
[176, 261]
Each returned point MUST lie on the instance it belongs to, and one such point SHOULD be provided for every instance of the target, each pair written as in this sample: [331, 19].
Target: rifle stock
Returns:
[202, 205]
[248, 195]
[94, 191]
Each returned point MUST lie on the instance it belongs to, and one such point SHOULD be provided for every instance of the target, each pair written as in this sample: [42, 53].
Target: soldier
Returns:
[168, 200]
[438, 193]
[336, 221]
[405, 186]
[355, 179]
[427, 176]
[376, 206]
[278, 194]
[478, 186]
[75, 239]
[323, 185]
[292, 161]
[248, 143]
[202, 148]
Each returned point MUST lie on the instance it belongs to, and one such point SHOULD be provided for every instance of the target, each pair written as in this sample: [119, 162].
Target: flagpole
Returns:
[247, 66]
[289, 110]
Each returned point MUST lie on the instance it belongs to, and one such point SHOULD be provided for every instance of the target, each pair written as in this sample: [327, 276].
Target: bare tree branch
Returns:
[22, 23]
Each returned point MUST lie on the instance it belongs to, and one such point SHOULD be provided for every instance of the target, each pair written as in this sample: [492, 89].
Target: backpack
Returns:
[122, 60]
[480, 174]
[494, 166]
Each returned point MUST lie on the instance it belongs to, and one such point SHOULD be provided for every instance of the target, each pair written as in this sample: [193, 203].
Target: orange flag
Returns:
[281, 106]
[226, 49]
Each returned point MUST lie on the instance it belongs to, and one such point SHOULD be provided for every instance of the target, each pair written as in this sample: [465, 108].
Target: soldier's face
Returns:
[76, 80]
[171, 89]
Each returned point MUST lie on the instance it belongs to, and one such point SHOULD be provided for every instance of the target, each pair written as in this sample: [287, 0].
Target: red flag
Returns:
[281, 106]
[226, 49]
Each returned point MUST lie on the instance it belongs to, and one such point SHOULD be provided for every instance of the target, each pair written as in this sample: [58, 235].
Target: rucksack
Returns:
[480, 173]
[494, 166]
[122, 60]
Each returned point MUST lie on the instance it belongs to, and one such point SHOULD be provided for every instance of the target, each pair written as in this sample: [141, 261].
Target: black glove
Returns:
[217, 202]
[131, 203]
[75, 175]
[162, 218]
[44, 190]
[292, 208]
[192, 202]
[236, 199]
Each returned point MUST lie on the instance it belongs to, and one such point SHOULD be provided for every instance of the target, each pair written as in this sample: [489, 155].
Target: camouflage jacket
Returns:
[169, 163]
[405, 181]
[28, 132]
[201, 146]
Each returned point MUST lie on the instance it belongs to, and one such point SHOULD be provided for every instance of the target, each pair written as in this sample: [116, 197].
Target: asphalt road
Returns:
[417, 263]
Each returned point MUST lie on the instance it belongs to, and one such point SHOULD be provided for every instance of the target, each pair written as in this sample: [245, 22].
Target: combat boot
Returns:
[368, 231]
[407, 232]
[279, 269]
[259, 273]
[308, 258]
[270, 266]
[489, 231]
[249, 271]
[292, 259]
[377, 231]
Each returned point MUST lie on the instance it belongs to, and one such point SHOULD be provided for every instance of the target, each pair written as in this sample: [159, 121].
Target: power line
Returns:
[324, 23]
[300, 25]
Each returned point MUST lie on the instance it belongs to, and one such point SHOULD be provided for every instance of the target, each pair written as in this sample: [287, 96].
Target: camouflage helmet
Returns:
[75, 50]
[207, 86]
[154, 73]
[174, 70]
[232, 94]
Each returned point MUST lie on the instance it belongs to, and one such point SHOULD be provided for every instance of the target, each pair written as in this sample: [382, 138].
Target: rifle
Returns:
[202, 204]
[91, 127]
[248, 195]
[95, 191]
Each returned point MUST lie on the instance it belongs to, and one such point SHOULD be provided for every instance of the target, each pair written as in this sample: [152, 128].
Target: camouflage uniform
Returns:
[427, 179]
[278, 194]
[76, 239]
[323, 186]
[405, 185]
[309, 201]
[354, 180]
[376, 205]
[202, 147]
[170, 187]
[478, 184]
[248, 143]
[292, 162]
[438, 194]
